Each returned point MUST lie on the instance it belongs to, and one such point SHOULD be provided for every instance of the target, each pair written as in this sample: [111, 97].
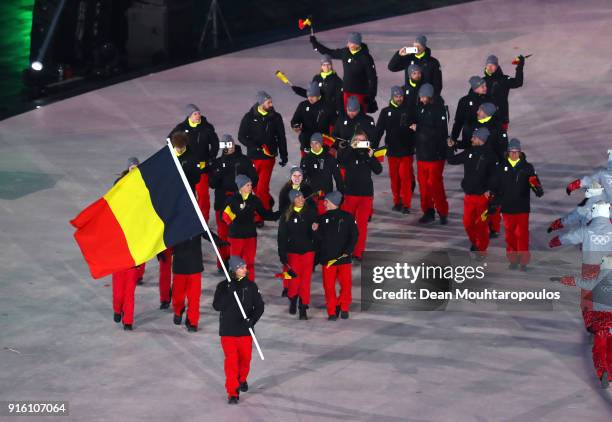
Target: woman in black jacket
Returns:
[296, 249]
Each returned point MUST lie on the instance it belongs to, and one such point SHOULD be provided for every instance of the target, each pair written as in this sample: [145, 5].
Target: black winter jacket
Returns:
[479, 166]
[231, 321]
[359, 167]
[313, 118]
[223, 172]
[337, 235]
[257, 130]
[202, 140]
[295, 234]
[320, 172]
[395, 122]
[431, 131]
[499, 86]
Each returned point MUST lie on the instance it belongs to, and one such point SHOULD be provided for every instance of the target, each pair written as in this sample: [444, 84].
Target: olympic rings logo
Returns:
[600, 239]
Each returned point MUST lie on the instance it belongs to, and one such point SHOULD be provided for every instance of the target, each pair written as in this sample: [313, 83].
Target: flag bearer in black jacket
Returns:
[359, 75]
[330, 85]
[359, 163]
[499, 85]
[236, 340]
[430, 66]
[204, 143]
[263, 133]
[222, 176]
[320, 169]
[465, 115]
[239, 215]
[479, 166]
[311, 116]
[514, 181]
[352, 121]
[296, 249]
[395, 120]
[336, 233]
[430, 142]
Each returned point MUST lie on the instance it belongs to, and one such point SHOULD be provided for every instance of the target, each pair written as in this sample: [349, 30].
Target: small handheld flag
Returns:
[280, 75]
[517, 60]
[286, 275]
[379, 153]
[303, 23]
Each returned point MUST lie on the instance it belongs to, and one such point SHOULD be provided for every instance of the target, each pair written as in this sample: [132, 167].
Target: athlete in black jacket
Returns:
[514, 180]
[239, 214]
[479, 165]
[411, 88]
[311, 116]
[394, 121]
[296, 249]
[359, 70]
[430, 66]
[204, 145]
[187, 281]
[430, 140]
[236, 340]
[263, 133]
[499, 85]
[359, 163]
[336, 233]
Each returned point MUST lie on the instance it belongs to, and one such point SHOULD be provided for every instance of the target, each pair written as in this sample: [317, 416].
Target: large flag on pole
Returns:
[147, 211]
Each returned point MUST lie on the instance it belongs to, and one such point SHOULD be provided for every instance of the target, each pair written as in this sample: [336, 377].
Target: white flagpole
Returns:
[212, 241]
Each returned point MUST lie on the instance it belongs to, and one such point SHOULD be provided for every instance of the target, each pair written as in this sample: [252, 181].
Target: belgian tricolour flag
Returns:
[150, 209]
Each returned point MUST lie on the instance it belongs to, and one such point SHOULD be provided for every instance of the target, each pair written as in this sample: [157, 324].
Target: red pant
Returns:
[586, 307]
[516, 227]
[222, 231]
[203, 195]
[165, 275]
[245, 249]
[302, 264]
[237, 351]
[344, 275]
[431, 185]
[360, 97]
[124, 286]
[401, 175]
[189, 286]
[602, 343]
[264, 171]
[476, 229]
[361, 208]
[495, 221]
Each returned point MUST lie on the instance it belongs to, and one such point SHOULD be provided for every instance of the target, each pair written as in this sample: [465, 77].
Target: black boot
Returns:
[232, 400]
[344, 315]
[244, 387]
[443, 220]
[164, 305]
[178, 319]
[127, 327]
[293, 305]
[117, 318]
[513, 266]
[303, 314]
[337, 311]
[493, 234]
[405, 210]
[397, 207]
[428, 217]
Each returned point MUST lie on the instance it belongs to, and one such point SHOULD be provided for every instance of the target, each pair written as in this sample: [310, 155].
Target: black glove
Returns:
[372, 105]
[313, 41]
[276, 215]
[161, 257]
[282, 162]
[521, 60]
[247, 323]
